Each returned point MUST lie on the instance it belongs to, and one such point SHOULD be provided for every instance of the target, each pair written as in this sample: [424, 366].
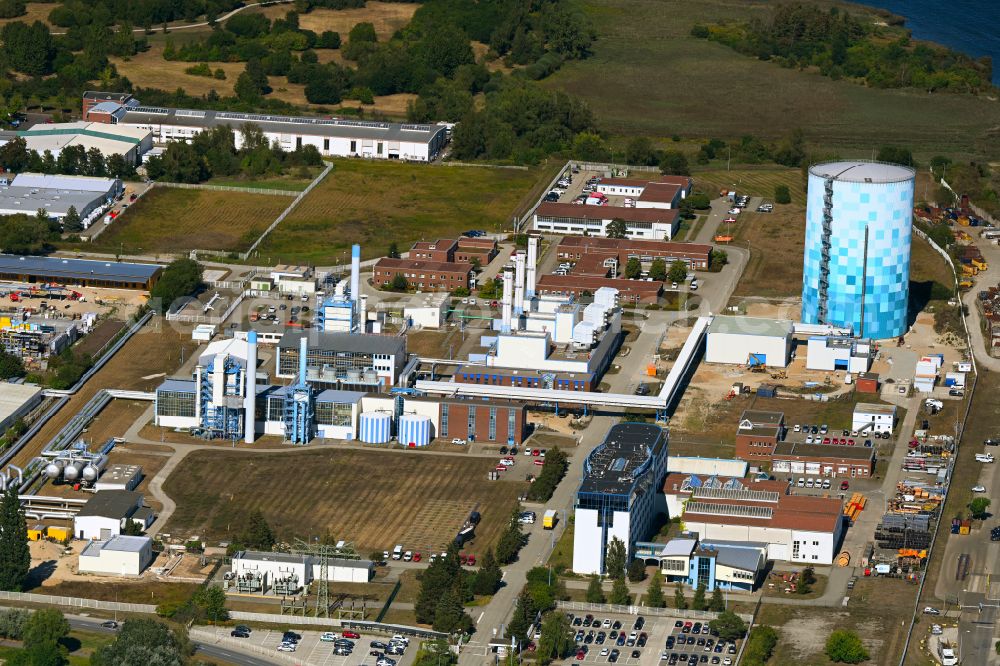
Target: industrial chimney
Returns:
[532, 261]
[250, 397]
[519, 283]
[508, 297]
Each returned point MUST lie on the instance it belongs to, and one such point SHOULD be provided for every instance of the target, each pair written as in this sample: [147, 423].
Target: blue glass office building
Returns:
[857, 251]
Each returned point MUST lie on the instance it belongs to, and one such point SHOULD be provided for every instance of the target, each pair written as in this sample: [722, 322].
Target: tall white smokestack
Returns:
[519, 283]
[532, 261]
[508, 297]
[355, 271]
[363, 314]
[249, 400]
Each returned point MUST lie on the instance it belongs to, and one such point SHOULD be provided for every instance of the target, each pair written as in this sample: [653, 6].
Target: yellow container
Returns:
[36, 533]
[963, 530]
[60, 533]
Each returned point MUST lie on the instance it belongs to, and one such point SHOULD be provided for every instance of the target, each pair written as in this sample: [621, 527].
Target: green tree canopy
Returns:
[845, 647]
[15, 559]
[698, 601]
[182, 277]
[72, 222]
[674, 163]
[654, 593]
[619, 593]
[729, 626]
[658, 269]
[680, 603]
[489, 577]
[615, 558]
[782, 195]
[257, 532]
[636, 571]
[144, 642]
[616, 229]
[555, 642]
[979, 507]
[678, 271]
[47, 625]
[595, 591]
[633, 268]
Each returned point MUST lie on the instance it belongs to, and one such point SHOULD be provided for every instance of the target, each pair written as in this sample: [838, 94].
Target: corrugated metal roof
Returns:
[57, 267]
[178, 386]
[57, 181]
[331, 395]
[346, 342]
[333, 127]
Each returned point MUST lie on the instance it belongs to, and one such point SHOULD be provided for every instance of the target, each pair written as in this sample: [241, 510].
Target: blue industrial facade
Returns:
[856, 270]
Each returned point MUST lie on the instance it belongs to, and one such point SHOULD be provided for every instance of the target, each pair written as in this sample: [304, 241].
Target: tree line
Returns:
[841, 45]
[213, 152]
[72, 160]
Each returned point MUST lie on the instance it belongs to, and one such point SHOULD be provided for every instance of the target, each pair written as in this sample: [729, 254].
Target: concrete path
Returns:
[202, 24]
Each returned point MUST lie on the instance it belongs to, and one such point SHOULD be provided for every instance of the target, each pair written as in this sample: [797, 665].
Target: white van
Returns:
[397, 552]
[984, 457]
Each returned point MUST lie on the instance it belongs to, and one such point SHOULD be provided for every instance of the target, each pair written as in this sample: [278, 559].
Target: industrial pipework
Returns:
[518, 283]
[531, 276]
[507, 298]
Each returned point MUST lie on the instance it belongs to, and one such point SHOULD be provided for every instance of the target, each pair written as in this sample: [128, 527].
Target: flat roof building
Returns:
[829, 460]
[618, 495]
[695, 255]
[749, 341]
[796, 528]
[85, 272]
[16, 401]
[646, 223]
[424, 275]
[343, 360]
[119, 555]
[330, 136]
[28, 193]
[129, 142]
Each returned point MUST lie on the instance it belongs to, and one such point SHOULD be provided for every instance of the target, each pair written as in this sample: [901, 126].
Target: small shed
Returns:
[867, 382]
[767, 391]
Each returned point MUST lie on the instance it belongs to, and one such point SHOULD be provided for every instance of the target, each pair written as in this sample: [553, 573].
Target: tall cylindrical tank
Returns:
[374, 428]
[94, 468]
[413, 429]
[856, 269]
[73, 470]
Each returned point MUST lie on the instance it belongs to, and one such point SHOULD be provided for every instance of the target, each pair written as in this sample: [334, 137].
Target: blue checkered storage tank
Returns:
[375, 428]
[413, 429]
[856, 269]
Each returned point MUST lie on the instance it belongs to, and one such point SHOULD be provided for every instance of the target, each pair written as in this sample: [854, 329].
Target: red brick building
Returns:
[695, 255]
[504, 421]
[629, 291]
[92, 98]
[823, 459]
[758, 434]
[424, 275]
[524, 379]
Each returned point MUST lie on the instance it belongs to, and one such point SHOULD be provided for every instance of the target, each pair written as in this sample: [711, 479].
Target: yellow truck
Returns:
[549, 519]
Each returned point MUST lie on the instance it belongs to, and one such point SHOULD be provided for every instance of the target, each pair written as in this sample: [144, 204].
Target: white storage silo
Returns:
[413, 429]
[375, 428]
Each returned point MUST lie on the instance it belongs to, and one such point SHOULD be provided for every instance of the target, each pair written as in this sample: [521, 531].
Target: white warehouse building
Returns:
[871, 417]
[119, 555]
[838, 353]
[330, 136]
[264, 573]
[749, 341]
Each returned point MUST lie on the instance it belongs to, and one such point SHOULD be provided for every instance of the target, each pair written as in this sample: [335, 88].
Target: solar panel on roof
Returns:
[189, 113]
[151, 109]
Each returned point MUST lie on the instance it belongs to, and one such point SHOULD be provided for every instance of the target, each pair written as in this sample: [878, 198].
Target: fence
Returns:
[604, 609]
[229, 188]
[77, 602]
[273, 618]
[295, 202]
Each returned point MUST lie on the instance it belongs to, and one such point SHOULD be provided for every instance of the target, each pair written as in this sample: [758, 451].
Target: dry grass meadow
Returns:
[375, 499]
[170, 220]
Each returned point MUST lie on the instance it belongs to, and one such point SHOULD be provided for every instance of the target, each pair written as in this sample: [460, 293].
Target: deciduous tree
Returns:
[15, 558]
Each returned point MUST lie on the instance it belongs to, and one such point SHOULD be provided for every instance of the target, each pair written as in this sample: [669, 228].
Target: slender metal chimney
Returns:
[303, 356]
[355, 271]
[363, 314]
[507, 299]
[250, 398]
[518, 283]
[531, 278]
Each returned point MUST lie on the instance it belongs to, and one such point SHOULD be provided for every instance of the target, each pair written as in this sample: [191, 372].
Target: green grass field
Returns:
[377, 203]
[172, 220]
[649, 76]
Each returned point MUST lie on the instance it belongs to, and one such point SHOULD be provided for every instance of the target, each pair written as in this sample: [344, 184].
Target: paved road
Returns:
[228, 655]
[202, 24]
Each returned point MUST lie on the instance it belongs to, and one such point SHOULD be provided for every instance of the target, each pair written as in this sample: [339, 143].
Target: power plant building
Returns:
[619, 496]
[856, 269]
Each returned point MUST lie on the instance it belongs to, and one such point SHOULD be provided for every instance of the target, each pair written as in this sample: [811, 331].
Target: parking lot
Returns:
[648, 651]
[311, 650]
